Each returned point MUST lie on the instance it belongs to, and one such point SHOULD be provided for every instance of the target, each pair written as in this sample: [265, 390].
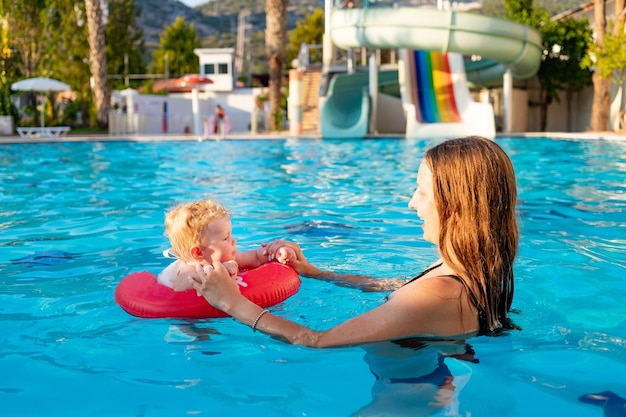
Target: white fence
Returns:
[149, 124]
[143, 114]
[121, 124]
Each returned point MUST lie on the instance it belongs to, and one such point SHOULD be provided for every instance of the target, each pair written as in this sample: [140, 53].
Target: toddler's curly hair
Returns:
[185, 225]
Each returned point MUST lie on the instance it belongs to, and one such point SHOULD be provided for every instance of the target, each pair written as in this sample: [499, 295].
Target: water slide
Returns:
[346, 109]
[500, 43]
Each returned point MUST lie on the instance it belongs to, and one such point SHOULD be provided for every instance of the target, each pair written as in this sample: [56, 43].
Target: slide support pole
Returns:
[507, 93]
[373, 67]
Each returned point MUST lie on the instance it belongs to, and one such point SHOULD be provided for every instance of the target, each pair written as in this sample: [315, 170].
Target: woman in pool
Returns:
[466, 196]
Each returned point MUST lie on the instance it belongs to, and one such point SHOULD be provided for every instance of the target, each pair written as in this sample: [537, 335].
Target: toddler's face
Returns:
[219, 245]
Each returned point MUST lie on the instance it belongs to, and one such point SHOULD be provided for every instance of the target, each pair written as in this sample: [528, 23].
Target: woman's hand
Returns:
[280, 249]
[217, 286]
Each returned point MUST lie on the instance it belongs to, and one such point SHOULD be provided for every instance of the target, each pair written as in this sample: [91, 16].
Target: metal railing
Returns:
[304, 56]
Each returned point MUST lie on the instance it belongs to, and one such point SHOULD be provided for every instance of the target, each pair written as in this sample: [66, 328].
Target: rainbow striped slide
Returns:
[432, 88]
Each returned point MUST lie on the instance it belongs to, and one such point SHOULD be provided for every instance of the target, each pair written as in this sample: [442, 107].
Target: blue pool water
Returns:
[75, 218]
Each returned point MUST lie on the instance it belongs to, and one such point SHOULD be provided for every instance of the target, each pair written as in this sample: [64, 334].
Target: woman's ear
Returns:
[196, 253]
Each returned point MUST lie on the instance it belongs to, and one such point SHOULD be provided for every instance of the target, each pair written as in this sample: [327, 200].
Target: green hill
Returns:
[216, 23]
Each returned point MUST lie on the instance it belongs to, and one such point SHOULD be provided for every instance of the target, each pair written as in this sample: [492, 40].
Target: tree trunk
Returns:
[601, 103]
[618, 25]
[98, 62]
[620, 16]
[600, 110]
[601, 86]
[275, 43]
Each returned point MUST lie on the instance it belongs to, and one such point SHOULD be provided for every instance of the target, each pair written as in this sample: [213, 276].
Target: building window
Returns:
[222, 68]
[209, 69]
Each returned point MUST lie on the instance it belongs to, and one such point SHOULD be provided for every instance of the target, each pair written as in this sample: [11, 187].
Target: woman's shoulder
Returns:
[434, 285]
[434, 302]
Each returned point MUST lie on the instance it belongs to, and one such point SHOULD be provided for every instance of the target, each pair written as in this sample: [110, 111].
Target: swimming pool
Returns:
[77, 217]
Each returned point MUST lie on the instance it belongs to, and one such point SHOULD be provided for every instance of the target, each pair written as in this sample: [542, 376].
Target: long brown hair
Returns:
[476, 196]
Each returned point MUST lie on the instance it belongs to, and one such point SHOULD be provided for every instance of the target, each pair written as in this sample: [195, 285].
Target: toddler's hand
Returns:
[231, 267]
[285, 255]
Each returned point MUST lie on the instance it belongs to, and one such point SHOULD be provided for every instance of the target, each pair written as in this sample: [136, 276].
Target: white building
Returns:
[219, 66]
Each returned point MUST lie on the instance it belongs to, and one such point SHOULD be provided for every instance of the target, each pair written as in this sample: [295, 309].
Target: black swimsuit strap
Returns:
[426, 271]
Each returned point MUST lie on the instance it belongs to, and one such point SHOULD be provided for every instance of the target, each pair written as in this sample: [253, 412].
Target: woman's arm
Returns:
[306, 269]
[428, 308]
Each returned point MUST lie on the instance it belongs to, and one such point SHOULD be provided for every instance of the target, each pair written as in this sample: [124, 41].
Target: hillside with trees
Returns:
[216, 22]
[155, 15]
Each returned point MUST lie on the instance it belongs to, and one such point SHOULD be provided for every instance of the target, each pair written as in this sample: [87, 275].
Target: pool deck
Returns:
[277, 136]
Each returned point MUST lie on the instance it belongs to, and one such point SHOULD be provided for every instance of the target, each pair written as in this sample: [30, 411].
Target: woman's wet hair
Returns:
[476, 196]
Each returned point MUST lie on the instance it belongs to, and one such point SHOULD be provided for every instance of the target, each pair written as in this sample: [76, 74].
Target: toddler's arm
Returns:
[257, 257]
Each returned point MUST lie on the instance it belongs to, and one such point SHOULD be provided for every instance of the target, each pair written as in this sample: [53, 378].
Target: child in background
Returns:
[200, 232]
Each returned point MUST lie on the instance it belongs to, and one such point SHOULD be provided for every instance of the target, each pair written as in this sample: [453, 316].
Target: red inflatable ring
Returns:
[140, 295]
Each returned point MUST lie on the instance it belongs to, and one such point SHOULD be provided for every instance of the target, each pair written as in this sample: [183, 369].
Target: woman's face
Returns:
[423, 201]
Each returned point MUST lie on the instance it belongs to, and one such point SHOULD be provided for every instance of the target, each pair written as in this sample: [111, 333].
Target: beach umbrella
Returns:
[191, 81]
[40, 85]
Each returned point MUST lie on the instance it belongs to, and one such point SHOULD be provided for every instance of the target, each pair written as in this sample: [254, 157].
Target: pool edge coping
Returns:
[16, 139]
